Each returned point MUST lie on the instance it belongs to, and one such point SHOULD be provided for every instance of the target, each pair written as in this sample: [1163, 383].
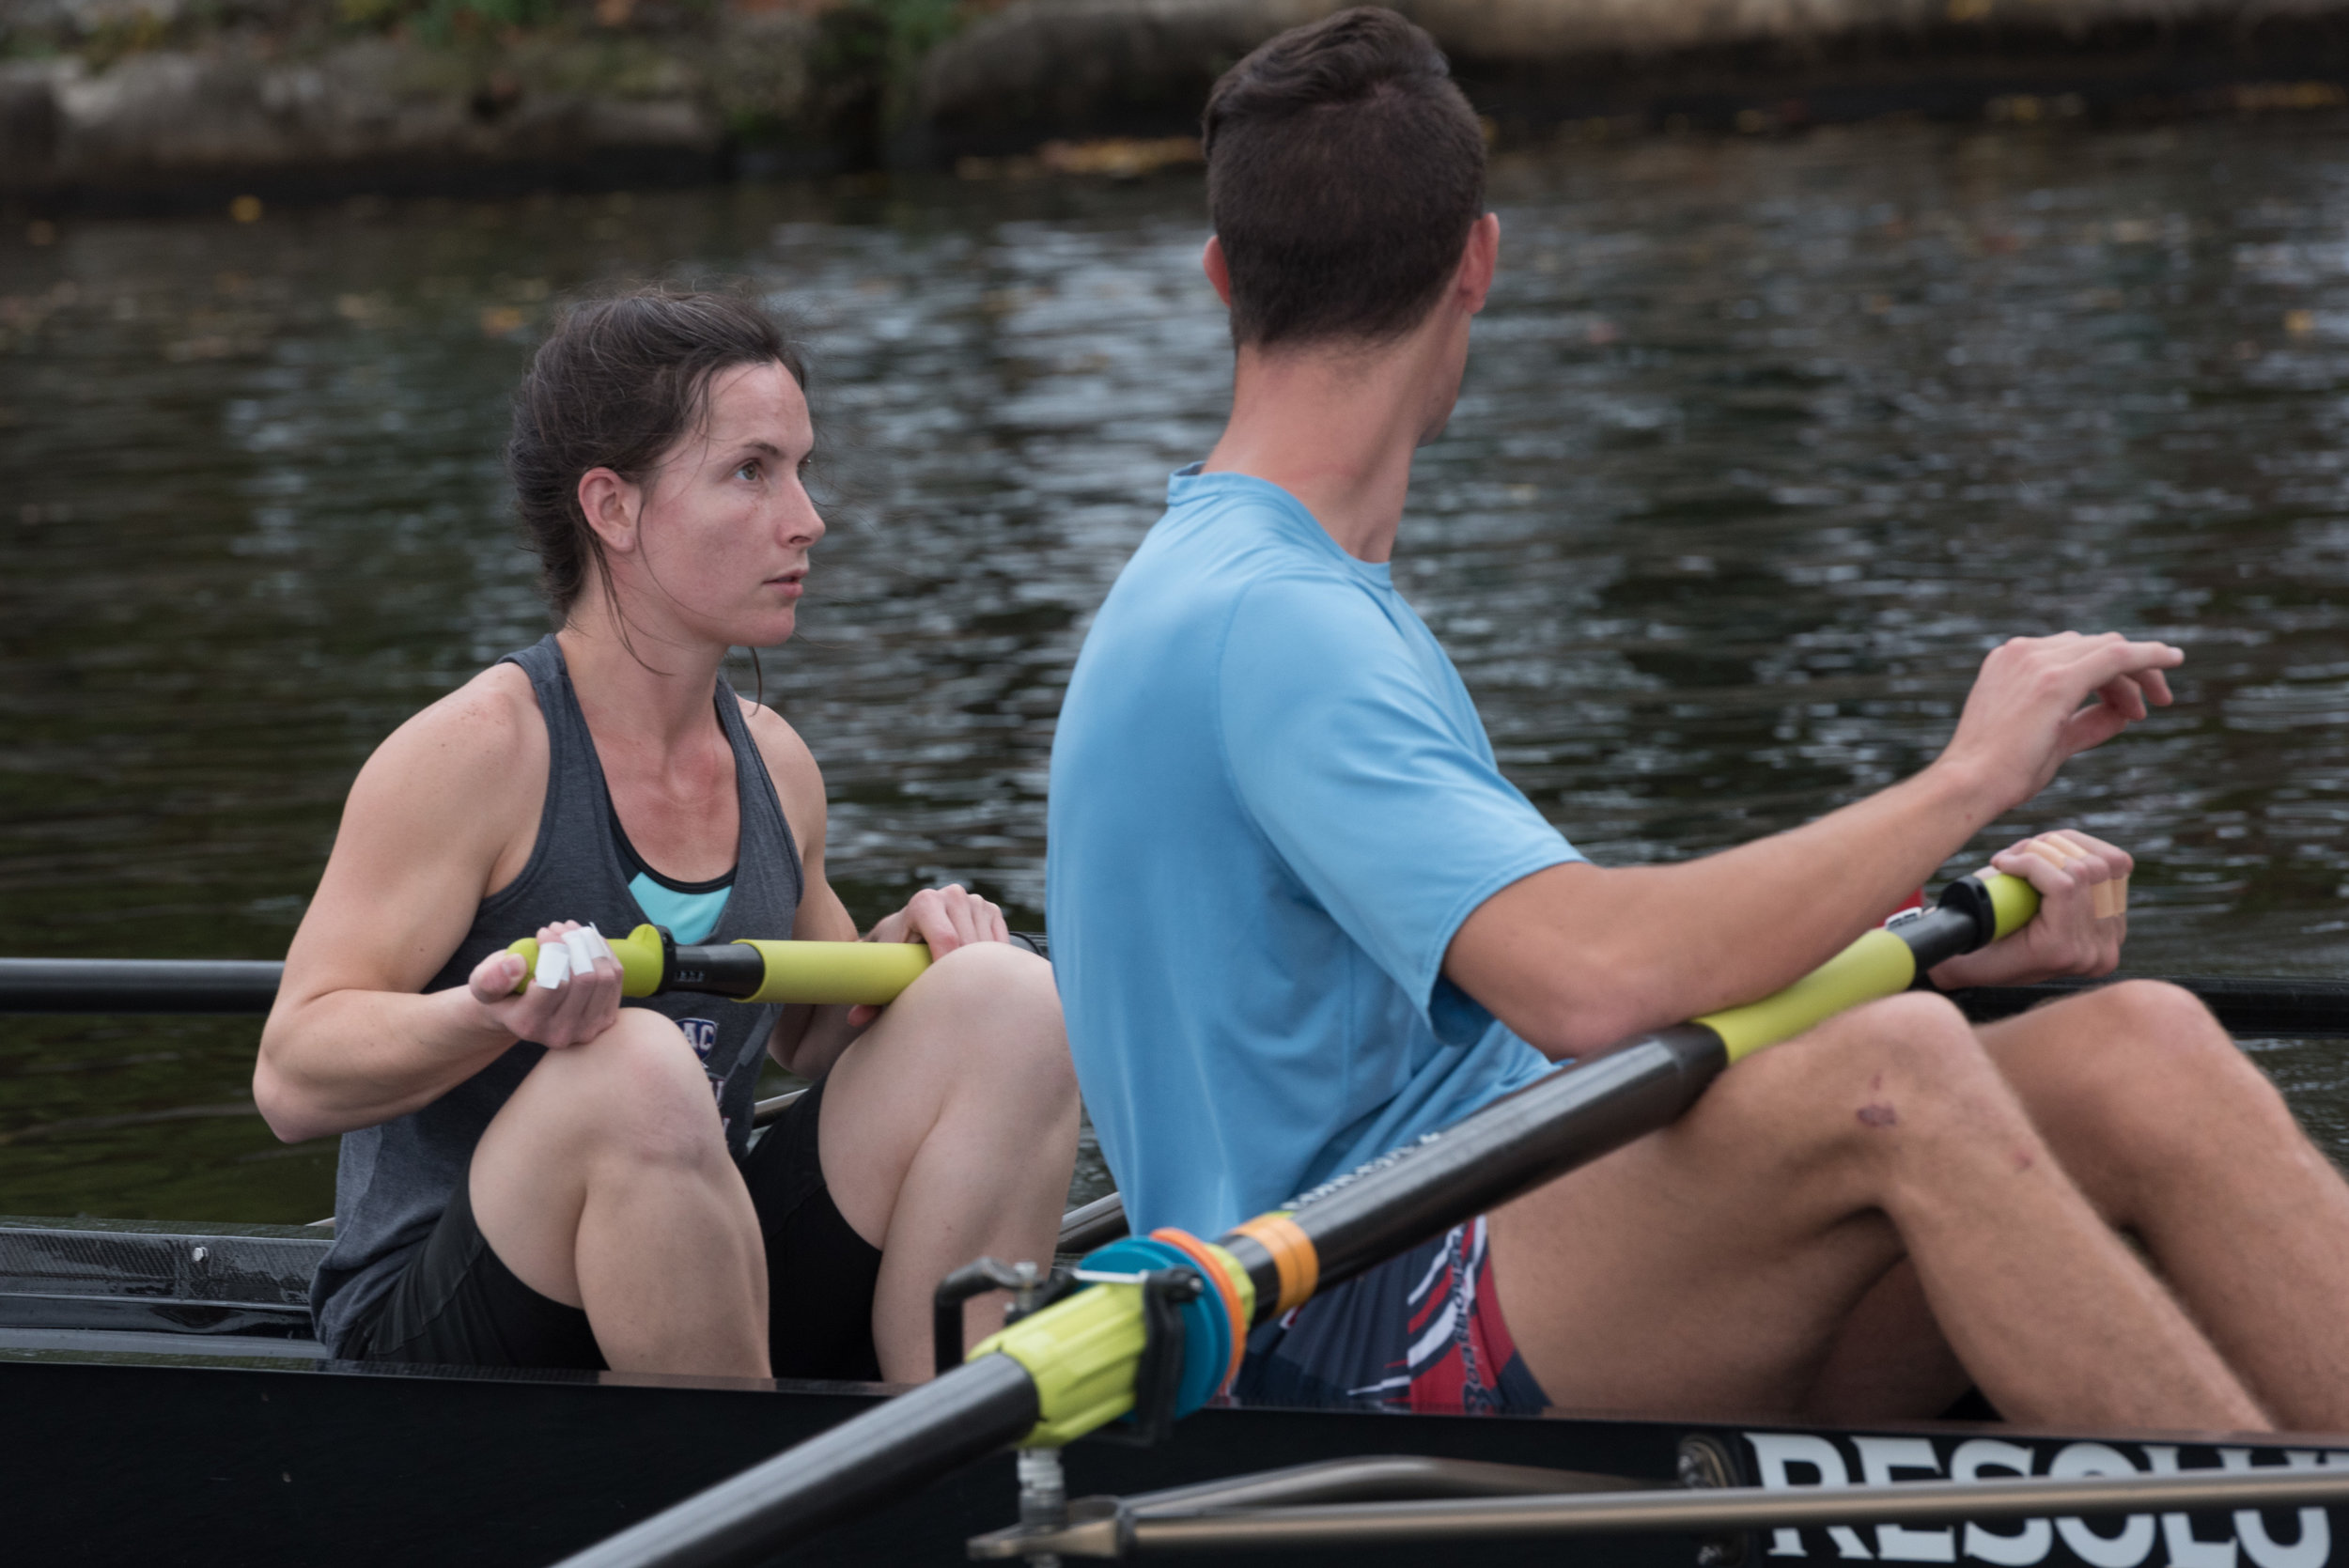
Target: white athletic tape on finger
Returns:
[582, 945]
[554, 964]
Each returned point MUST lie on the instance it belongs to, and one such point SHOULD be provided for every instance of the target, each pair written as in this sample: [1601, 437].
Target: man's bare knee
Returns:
[2167, 1023]
[1875, 1078]
[1916, 1040]
[2166, 1066]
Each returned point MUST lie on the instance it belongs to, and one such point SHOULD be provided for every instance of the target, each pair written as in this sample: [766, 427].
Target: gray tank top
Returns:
[395, 1179]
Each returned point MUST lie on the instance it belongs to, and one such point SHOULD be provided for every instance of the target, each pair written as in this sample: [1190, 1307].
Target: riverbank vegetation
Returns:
[194, 102]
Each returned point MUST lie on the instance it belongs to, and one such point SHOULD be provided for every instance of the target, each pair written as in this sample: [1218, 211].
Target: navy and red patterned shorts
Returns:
[1420, 1332]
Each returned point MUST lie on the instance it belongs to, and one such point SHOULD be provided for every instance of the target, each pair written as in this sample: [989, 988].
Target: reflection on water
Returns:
[1764, 443]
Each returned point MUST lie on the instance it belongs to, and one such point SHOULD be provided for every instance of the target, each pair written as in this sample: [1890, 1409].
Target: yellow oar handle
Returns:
[2016, 901]
[871, 972]
[1879, 964]
[639, 954]
[868, 972]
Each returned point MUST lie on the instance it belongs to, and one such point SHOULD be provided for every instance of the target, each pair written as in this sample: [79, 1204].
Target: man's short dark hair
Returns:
[1345, 170]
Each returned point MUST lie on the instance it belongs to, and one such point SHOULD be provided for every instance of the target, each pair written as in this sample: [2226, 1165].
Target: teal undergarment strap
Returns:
[690, 916]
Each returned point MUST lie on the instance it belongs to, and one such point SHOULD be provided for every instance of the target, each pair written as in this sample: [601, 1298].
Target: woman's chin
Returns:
[769, 629]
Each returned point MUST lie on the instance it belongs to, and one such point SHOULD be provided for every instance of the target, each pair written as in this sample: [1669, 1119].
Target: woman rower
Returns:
[549, 1178]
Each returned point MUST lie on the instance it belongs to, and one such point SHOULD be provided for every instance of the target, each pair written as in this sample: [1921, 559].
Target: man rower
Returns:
[1300, 917]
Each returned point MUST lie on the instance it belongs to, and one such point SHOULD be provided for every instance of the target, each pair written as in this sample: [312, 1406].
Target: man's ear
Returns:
[610, 505]
[1479, 258]
[1218, 273]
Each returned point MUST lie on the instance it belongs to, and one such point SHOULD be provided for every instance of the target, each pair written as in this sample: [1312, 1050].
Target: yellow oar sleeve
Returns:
[871, 972]
[1878, 964]
[639, 954]
[2011, 899]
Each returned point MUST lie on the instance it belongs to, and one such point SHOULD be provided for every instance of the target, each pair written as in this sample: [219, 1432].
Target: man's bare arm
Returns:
[1576, 957]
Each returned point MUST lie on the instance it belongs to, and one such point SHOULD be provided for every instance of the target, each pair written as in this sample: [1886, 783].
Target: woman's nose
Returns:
[803, 524]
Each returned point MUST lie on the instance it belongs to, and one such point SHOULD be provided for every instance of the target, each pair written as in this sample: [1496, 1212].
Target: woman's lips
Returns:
[790, 585]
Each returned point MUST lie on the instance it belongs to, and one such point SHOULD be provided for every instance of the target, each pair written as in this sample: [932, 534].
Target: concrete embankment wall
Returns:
[1056, 66]
[179, 101]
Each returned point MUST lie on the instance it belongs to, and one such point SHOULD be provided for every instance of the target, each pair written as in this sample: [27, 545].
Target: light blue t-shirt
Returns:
[1272, 806]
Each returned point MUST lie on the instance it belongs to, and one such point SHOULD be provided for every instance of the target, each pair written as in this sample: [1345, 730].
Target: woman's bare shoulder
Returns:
[479, 749]
[798, 780]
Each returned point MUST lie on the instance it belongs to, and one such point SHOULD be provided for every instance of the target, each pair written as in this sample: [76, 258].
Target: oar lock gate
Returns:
[1146, 1331]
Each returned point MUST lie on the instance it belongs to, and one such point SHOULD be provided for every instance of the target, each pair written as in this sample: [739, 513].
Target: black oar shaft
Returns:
[881, 1456]
[2281, 1008]
[719, 969]
[137, 985]
[1510, 1146]
[1093, 1224]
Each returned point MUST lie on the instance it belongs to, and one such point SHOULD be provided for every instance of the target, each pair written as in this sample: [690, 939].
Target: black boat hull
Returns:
[126, 1458]
[161, 1402]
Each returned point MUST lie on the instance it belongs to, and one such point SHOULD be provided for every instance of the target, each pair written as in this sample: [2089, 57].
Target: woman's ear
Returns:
[610, 503]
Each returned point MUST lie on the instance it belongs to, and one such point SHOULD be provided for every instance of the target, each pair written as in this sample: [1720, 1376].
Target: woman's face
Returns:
[724, 524]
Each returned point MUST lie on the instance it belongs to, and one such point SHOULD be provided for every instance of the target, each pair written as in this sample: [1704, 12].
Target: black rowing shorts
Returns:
[458, 1305]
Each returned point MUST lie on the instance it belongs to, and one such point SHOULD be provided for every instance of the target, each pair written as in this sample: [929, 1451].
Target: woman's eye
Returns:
[748, 470]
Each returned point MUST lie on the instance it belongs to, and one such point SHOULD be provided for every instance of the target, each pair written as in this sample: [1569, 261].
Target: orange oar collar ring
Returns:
[1211, 1261]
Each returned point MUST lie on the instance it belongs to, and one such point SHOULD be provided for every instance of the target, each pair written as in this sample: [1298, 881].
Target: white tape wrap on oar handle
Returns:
[856, 972]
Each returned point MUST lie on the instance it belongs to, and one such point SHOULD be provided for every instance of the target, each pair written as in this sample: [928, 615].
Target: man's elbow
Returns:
[1567, 1038]
[1584, 1016]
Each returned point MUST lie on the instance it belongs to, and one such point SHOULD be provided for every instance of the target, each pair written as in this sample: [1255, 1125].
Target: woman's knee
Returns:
[1005, 1014]
[994, 975]
[639, 1089]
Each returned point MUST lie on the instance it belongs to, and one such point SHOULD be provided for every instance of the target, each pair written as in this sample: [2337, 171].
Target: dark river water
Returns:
[1764, 443]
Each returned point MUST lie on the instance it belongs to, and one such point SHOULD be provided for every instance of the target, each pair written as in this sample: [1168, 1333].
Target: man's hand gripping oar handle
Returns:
[750, 971]
[1072, 1368]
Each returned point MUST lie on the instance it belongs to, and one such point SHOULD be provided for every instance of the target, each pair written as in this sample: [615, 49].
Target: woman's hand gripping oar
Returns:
[1077, 1365]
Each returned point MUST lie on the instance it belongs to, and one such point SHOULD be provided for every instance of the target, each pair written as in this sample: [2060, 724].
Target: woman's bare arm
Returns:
[808, 1040]
[432, 825]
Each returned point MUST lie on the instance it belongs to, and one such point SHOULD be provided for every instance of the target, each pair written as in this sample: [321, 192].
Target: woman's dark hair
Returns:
[617, 383]
[1345, 170]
